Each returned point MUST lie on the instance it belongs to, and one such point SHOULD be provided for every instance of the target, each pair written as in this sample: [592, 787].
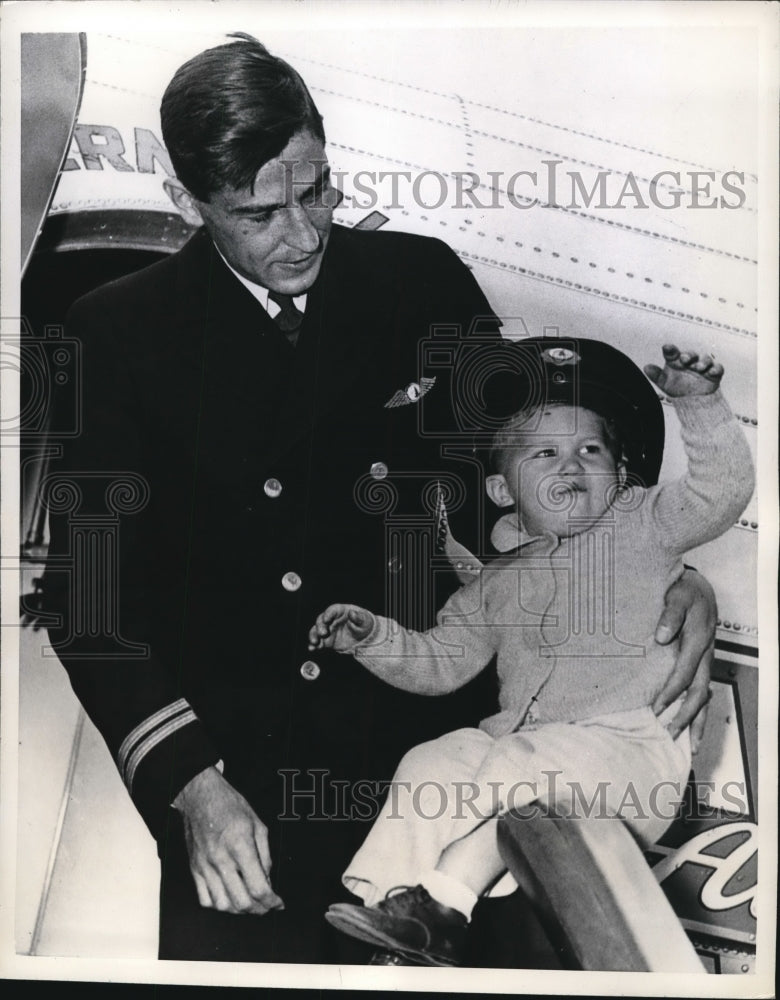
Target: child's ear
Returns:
[496, 488]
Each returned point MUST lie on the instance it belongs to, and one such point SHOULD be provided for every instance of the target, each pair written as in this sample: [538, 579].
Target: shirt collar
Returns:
[260, 293]
[507, 534]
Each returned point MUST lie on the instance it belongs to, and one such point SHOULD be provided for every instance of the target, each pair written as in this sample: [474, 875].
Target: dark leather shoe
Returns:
[409, 922]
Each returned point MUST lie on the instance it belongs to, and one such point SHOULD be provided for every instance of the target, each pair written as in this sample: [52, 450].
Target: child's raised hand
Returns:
[341, 627]
[685, 373]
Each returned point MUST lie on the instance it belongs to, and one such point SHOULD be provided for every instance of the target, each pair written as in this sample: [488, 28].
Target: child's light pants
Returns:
[624, 764]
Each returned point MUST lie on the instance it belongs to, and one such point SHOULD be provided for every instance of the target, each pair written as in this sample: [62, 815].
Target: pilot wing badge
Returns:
[412, 392]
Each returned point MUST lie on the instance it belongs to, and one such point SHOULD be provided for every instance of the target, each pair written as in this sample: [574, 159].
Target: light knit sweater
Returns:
[572, 620]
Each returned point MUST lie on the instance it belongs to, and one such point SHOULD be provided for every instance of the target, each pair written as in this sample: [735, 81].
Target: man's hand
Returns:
[228, 847]
[689, 614]
[341, 627]
[685, 373]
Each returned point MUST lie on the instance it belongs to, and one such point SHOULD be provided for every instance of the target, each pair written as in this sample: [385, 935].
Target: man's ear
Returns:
[498, 491]
[183, 200]
[622, 473]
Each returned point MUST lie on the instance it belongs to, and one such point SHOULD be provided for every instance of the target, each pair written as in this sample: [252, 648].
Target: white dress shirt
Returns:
[261, 293]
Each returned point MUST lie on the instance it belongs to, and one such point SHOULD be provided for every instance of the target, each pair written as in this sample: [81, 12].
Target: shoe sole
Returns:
[357, 929]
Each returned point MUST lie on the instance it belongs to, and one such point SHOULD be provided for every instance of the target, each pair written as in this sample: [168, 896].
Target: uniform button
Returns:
[395, 565]
[272, 488]
[379, 470]
[310, 671]
[291, 581]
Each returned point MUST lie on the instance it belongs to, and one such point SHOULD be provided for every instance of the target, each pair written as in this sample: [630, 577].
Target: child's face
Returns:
[560, 473]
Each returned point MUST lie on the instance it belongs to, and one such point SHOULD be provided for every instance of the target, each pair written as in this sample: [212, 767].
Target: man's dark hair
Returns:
[230, 110]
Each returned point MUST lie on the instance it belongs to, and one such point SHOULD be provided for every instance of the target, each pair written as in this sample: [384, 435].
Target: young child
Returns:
[570, 611]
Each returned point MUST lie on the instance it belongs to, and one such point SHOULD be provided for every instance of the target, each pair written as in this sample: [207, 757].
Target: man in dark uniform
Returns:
[251, 431]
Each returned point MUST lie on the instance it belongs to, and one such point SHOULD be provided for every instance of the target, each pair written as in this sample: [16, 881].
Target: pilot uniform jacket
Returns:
[224, 488]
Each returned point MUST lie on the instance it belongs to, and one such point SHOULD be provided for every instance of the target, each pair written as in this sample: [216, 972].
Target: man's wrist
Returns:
[197, 784]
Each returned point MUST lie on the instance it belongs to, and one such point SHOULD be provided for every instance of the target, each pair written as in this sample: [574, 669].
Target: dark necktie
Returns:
[289, 318]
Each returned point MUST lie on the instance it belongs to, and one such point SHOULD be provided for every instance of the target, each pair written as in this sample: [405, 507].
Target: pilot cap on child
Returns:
[526, 374]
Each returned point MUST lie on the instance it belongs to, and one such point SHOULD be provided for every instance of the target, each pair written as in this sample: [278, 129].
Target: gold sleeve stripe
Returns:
[141, 730]
[151, 742]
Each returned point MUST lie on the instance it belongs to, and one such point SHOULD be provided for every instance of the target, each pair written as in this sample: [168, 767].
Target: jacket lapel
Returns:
[341, 344]
[235, 352]
[251, 378]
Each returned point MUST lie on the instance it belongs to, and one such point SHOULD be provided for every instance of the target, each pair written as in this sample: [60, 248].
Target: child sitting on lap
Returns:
[569, 610]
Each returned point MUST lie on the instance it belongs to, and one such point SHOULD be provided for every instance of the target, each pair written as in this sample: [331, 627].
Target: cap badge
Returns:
[560, 356]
